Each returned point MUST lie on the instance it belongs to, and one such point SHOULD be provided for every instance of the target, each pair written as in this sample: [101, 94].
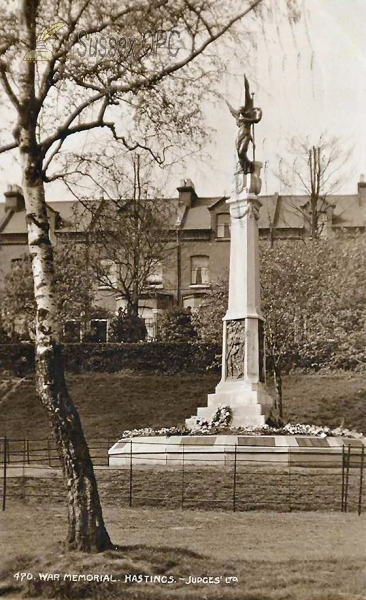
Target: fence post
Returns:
[361, 480]
[235, 474]
[343, 468]
[347, 478]
[4, 474]
[131, 475]
[23, 453]
[289, 479]
[182, 486]
[49, 452]
[23, 472]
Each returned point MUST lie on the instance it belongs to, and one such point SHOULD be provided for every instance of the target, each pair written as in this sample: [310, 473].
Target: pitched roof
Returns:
[281, 211]
[198, 215]
[349, 211]
[287, 211]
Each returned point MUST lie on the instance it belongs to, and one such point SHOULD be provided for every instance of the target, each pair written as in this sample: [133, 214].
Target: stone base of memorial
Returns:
[243, 378]
[221, 450]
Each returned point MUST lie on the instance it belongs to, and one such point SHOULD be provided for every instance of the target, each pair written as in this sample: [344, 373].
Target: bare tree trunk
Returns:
[133, 308]
[315, 176]
[277, 378]
[87, 531]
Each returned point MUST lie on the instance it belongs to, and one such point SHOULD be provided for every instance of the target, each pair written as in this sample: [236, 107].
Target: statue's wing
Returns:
[234, 112]
[49, 32]
[248, 96]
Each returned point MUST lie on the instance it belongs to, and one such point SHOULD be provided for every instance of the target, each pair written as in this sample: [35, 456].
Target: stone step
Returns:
[235, 399]
[207, 412]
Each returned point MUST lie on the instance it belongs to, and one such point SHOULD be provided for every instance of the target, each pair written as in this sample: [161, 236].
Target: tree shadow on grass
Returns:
[145, 572]
[109, 568]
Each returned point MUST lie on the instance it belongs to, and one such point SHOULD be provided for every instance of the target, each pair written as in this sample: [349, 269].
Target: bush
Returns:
[4, 337]
[110, 358]
[153, 357]
[176, 326]
[127, 328]
[17, 358]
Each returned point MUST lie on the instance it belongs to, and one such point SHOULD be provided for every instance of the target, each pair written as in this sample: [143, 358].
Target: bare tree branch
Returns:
[320, 163]
[7, 87]
[8, 147]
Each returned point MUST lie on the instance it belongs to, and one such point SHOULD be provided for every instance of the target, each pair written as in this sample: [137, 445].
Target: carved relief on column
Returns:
[235, 349]
[252, 210]
[261, 352]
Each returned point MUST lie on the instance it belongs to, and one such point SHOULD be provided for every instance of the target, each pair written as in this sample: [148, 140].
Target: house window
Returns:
[150, 325]
[16, 262]
[155, 277]
[200, 270]
[106, 274]
[99, 330]
[223, 226]
[72, 331]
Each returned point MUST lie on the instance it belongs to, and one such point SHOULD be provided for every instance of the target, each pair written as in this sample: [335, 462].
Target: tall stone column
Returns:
[243, 357]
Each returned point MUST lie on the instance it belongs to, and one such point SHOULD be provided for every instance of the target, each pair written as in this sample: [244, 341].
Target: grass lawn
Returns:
[290, 556]
[272, 556]
[211, 488]
[111, 403]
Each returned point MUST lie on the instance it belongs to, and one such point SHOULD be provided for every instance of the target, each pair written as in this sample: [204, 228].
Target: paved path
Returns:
[31, 471]
[16, 384]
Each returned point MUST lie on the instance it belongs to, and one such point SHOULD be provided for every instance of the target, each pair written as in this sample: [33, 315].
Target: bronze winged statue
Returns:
[245, 117]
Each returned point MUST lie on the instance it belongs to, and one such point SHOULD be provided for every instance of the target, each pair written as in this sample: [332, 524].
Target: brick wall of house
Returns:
[194, 234]
[9, 253]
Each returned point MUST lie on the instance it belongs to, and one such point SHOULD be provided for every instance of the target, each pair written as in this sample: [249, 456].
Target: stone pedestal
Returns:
[243, 363]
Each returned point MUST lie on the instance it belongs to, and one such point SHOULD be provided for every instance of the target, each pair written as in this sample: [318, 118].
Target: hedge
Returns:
[158, 357]
[162, 357]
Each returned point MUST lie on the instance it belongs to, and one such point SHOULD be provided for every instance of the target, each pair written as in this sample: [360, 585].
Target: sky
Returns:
[309, 79]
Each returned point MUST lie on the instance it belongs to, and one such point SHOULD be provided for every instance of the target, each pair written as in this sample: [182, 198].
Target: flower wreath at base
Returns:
[221, 421]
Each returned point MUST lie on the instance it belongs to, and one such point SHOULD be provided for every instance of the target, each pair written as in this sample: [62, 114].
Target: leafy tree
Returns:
[291, 286]
[317, 171]
[68, 94]
[176, 326]
[127, 327]
[314, 303]
[5, 338]
[207, 320]
[73, 282]
[129, 236]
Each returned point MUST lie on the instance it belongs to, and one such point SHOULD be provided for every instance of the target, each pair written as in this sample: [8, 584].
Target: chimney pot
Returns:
[187, 192]
[361, 187]
[14, 199]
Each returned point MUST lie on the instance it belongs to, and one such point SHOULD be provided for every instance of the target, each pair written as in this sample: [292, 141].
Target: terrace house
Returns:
[199, 231]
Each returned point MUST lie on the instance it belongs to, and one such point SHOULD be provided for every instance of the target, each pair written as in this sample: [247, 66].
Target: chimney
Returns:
[187, 193]
[361, 187]
[14, 199]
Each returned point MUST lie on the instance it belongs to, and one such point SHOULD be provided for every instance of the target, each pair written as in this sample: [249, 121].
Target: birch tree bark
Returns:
[86, 529]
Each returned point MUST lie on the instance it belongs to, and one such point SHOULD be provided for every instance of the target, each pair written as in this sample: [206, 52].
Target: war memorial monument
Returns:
[242, 386]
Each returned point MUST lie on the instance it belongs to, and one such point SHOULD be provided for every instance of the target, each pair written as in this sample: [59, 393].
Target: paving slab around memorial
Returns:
[301, 450]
